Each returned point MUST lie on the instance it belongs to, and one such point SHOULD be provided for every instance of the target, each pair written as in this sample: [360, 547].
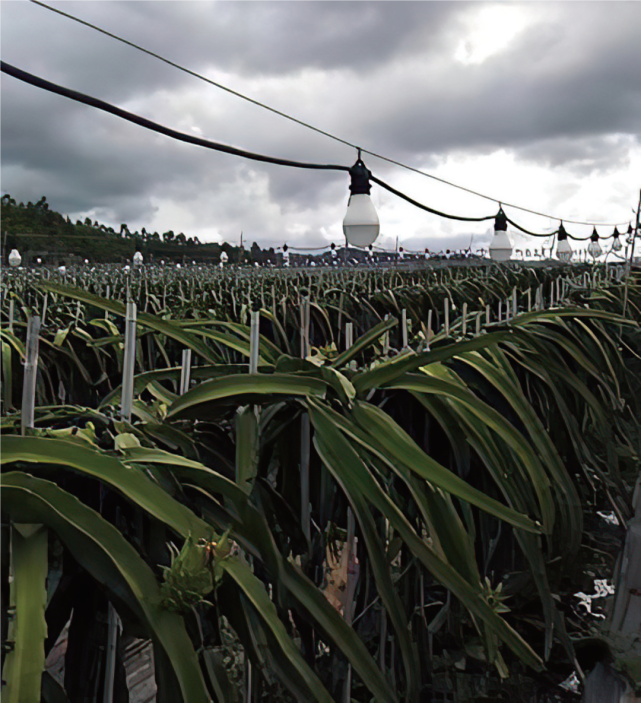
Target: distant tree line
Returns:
[36, 230]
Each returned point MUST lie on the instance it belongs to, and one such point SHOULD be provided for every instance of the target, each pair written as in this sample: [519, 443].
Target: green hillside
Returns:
[37, 231]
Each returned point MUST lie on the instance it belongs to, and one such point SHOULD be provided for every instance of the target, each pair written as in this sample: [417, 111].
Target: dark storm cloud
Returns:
[271, 38]
[566, 92]
[579, 77]
[583, 156]
[497, 116]
[253, 38]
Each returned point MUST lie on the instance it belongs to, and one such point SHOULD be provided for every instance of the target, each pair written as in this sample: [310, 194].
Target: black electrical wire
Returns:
[216, 146]
[148, 124]
[154, 126]
[555, 232]
[527, 231]
[585, 239]
[194, 73]
[306, 249]
[425, 207]
[306, 124]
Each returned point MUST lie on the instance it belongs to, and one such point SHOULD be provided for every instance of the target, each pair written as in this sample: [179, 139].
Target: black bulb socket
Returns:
[359, 175]
[500, 221]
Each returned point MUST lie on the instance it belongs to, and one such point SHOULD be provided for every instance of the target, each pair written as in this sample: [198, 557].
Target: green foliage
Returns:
[473, 466]
[25, 661]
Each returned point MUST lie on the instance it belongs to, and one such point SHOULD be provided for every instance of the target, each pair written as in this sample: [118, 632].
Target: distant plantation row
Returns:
[323, 485]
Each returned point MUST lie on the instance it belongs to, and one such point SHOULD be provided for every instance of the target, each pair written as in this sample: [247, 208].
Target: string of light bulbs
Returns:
[361, 220]
[329, 135]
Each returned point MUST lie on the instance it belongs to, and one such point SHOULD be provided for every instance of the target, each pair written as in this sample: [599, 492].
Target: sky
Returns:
[535, 104]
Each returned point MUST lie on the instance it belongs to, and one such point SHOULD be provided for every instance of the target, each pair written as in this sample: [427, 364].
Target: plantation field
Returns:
[317, 485]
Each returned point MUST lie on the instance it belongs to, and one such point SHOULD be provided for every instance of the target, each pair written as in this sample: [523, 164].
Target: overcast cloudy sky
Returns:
[537, 104]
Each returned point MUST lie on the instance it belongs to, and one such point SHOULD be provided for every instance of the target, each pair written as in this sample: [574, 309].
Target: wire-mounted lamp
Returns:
[360, 226]
[616, 242]
[14, 258]
[563, 248]
[594, 248]
[501, 246]
[630, 238]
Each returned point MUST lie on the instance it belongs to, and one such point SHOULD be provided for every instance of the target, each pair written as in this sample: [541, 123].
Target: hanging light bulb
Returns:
[501, 246]
[630, 238]
[563, 248]
[14, 258]
[594, 248]
[137, 259]
[616, 244]
[285, 255]
[361, 225]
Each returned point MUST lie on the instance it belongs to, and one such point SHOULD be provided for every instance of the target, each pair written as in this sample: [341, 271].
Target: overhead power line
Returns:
[154, 126]
[425, 207]
[225, 148]
[287, 116]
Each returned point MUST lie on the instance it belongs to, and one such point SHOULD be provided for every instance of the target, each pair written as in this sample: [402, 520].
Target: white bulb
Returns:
[501, 246]
[564, 251]
[616, 244]
[594, 249]
[137, 259]
[361, 226]
[14, 258]
[224, 257]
